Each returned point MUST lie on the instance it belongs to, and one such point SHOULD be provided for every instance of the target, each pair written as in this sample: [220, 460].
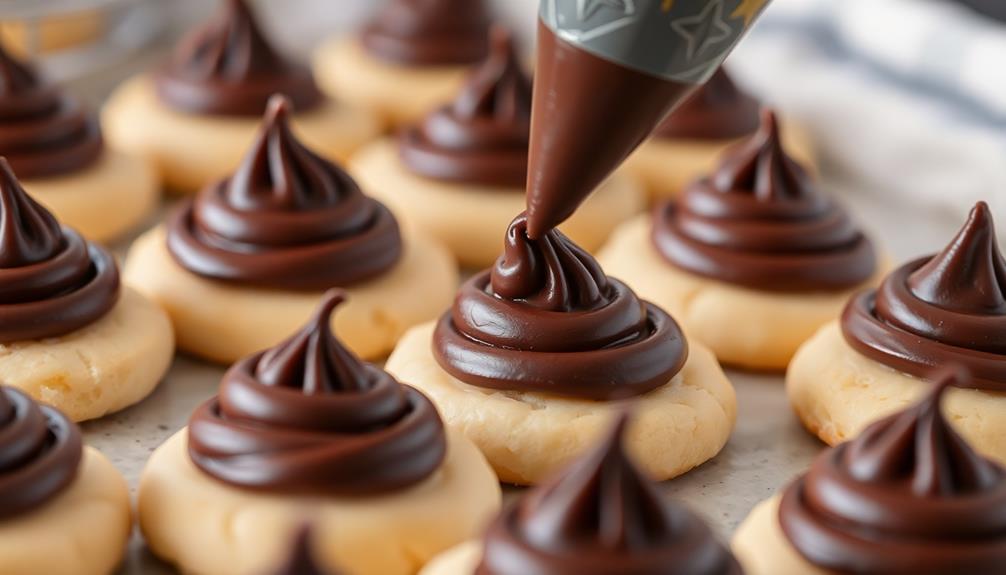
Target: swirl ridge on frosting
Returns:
[228, 67]
[718, 110]
[601, 516]
[52, 281]
[482, 137]
[429, 32]
[286, 219]
[40, 453]
[547, 319]
[908, 495]
[43, 131]
[759, 222]
[307, 416]
[950, 307]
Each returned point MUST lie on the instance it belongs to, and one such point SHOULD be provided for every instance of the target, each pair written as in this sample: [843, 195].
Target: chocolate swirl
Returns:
[52, 281]
[429, 32]
[481, 138]
[602, 516]
[950, 307]
[546, 319]
[759, 222]
[301, 560]
[43, 131]
[228, 67]
[286, 219]
[40, 453]
[907, 496]
[718, 110]
[307, 416]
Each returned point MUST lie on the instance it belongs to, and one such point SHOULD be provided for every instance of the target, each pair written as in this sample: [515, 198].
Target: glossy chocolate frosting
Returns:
[482, 137]
[908, 496]
[602, 516]
[718, 110]
[759, 222]
[40, 453]
[52, 281]
[228, 67]
[301, 560]
[547, 319]
[43, 131]
[286, 219]
[934, 310]
[308, 417]
[429, 32]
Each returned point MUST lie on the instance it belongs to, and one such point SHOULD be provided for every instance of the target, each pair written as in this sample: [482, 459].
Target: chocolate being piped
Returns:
[301, 560]
[228, 67]
[286, 219]
[718, 110]
[52, 281]
[939, 309]
[43, 131]
[40, 453]
[547, 319]
[429, 32]
[759, 222]
[908, 495]
[482, 137]
[308, 417]
[602, 516]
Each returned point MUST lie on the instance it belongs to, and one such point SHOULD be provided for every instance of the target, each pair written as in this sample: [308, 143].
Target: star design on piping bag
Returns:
[585, 9]
[704, 29]
[748, 9]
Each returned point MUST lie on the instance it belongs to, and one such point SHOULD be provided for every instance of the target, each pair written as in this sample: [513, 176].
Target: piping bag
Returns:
[608, 71]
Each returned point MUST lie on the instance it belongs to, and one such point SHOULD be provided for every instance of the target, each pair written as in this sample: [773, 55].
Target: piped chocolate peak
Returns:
[29, 234]
[429, 32]
[482, 137]
[909, 495]
[760, 222]
[547, 319]
[228, 67]
[286, 219]
[718, 110]
[308, 416]
[947, 308]
[600, 516]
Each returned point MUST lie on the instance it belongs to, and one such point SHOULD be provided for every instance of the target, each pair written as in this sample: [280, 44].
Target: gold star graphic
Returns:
[748, 9]
[667, 5]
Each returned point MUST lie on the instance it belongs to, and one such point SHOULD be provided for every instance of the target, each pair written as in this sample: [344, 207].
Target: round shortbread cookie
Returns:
[762, 547]
[458, 560]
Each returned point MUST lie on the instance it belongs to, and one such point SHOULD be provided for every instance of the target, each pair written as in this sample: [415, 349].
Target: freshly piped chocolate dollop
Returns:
[546, 319]
[935, 310]
[429, 32]
[307, 416]
[52, 281]
[759, 222]
[40, 453]
[906, 496]
[286, 219]
[602, 516]
[301, 560]
[718, 110]
[228, 67]
[482, 137]
[43, 131]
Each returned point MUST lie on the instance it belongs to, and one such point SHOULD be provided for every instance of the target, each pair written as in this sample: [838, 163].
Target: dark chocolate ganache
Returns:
[718, 110]
[286, 219]
[759, 222]
[429, 32]
[947, 308]
[547, 319]
[308, 417]
[228, 67]
[482, 137]
[908, 495]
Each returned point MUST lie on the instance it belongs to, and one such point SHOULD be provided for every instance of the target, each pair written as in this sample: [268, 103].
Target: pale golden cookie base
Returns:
[472, 220]
[528, 436]
[744, 328]
[191, 151]
[665, 166]
[52, 34]
[98, 369]
[458, 560]
[399, 95]
[209, 528]
[224, 322]
[762, 548]
[104, 201]
[81, 531]
[836, 392]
